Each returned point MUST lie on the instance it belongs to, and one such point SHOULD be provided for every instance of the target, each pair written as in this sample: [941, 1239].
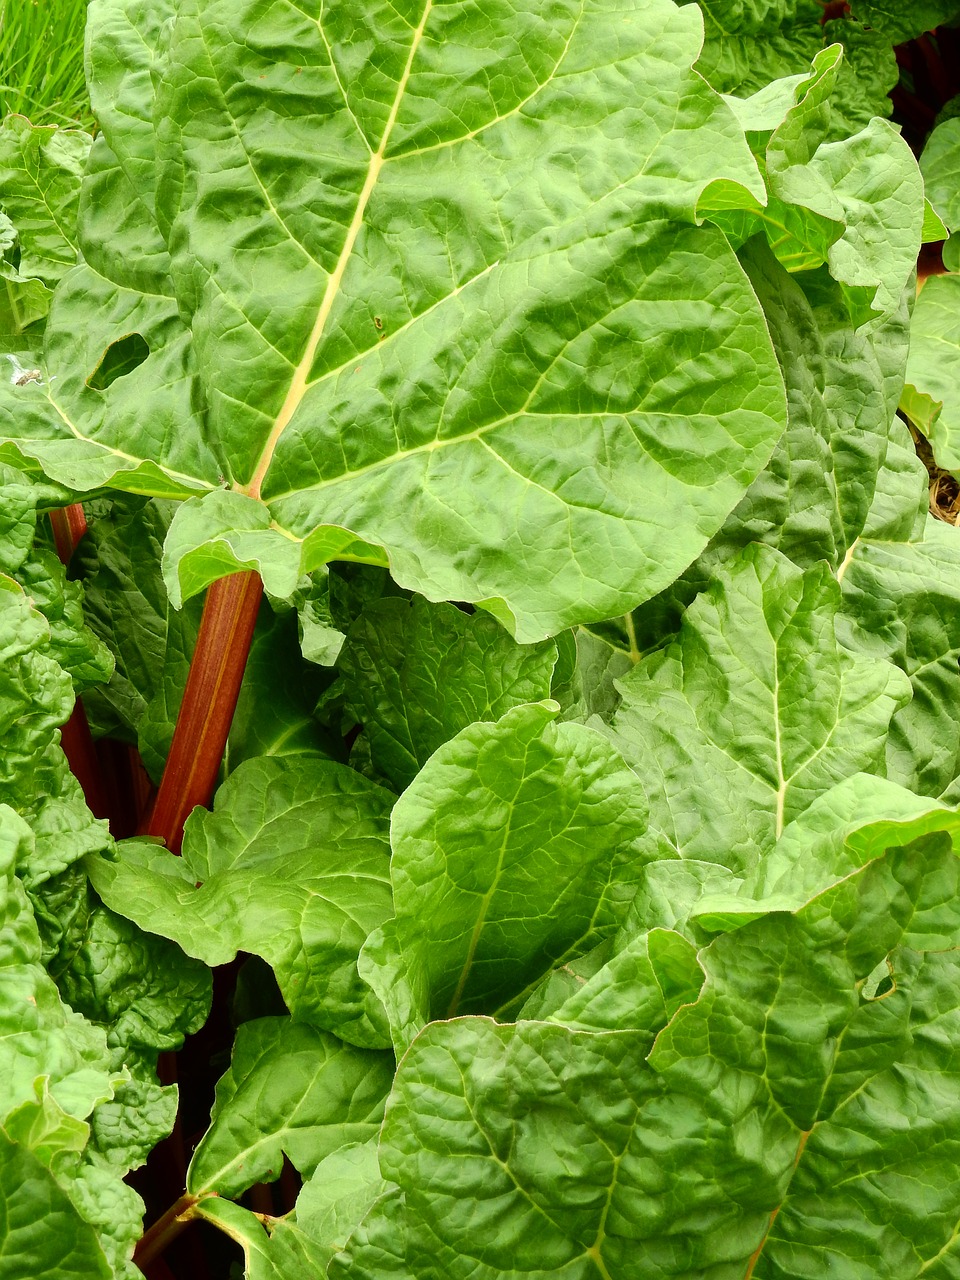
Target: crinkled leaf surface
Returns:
[141, 988]
[901, 500]
[845, 469]
[43, 1230]
[813, 499]
[898, 22]
[855, 203]
[762, 1134]
[838, 834]
[415, 674]
[749, 45]
[126, 605]
[40, 1034]
[72, 643]
[66, 1210]
[753, 711]
[511, 851]
[290, 1090]
[588, 667]
[640, 988]
[459, 284]
[23, 304]
[903, 602]
[36, 697]
[291, 865]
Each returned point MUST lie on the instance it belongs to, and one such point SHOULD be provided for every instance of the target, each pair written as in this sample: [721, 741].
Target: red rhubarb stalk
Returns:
[69, 524]
[209, 701]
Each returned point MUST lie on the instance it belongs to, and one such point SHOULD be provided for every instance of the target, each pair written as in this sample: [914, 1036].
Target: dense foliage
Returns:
[579, 897]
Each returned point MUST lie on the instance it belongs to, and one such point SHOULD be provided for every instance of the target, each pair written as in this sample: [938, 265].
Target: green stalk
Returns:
[165, 1230]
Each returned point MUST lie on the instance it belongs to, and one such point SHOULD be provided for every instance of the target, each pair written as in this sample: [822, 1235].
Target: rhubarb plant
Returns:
[521, 666]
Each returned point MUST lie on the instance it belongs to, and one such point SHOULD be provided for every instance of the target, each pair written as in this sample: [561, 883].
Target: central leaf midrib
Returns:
[299, 382]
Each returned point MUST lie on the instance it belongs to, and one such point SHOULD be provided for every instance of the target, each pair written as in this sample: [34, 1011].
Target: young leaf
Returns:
[934, 362]
[511, 852]
[290, 1090]
[291, 865]
[40, 171]
[901, 601]
[753, 711]
[750, 45]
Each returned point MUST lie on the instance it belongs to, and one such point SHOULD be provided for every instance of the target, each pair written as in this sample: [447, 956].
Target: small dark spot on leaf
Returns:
[378, 322]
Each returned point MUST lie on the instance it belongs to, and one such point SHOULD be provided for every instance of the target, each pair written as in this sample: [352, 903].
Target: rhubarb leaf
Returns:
[940, 167]
[750, 45]
[753, 711]
[290, 1090]
[291, 865]
[934, 364]
[40, 171]
[755, 1098]
[343, 1187]
[902, 602]
[503, 320]
[512, 851]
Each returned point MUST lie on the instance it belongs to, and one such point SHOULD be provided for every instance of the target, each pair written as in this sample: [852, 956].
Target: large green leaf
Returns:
[291, 865]
[290, 1090]
[814, 498]
[439, 348]
[764, 1132]
[512, 850]
[838, 834]
[753, 711]
[844, 469]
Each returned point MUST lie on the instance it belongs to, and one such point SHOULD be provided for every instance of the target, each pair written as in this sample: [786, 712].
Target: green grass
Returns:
[41, 61]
